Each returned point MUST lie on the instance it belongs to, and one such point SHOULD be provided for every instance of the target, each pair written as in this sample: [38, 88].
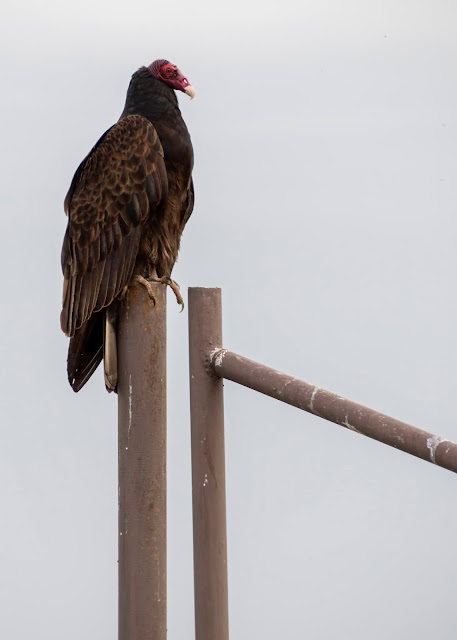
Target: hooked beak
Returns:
[190, 91]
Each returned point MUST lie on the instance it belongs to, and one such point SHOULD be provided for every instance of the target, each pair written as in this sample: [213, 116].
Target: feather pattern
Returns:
[108, 200]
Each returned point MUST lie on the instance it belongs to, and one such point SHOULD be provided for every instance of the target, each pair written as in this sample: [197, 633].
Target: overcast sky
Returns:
[325, 162]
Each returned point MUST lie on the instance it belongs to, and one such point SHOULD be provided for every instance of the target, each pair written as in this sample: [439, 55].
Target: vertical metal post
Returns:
[208, 467]
[142, 465]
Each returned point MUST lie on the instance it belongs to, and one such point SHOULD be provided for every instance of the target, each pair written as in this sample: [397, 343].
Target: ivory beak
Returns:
[190, 91]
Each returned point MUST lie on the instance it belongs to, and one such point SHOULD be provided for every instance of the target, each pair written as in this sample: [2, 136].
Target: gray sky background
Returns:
[325, 142]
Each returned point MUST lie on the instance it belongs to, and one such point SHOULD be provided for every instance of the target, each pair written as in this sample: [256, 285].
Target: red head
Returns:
[169, 74]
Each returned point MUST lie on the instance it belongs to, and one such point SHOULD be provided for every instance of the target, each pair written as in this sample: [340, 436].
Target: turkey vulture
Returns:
[127, 206]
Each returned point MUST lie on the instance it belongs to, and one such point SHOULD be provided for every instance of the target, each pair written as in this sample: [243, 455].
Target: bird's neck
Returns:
[149, 97]
[155, 101]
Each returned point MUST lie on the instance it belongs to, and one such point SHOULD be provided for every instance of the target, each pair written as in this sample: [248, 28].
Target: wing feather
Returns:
[118, 187]
[98, 271]
[188, 205]
[103, 289]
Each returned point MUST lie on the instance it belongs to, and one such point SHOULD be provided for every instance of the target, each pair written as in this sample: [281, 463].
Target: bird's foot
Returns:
[174, 286]
[145, 284]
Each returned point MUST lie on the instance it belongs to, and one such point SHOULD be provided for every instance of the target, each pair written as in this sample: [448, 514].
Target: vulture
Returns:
[127, 206]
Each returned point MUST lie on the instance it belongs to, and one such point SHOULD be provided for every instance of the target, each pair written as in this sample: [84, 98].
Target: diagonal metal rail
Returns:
[332, 407]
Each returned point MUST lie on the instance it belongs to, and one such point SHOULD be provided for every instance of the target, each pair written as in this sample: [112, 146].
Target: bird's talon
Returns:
[174, 286]
[147, 285]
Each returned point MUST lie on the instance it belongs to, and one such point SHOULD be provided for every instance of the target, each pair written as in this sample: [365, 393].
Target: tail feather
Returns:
[110, 348]
[86, 350]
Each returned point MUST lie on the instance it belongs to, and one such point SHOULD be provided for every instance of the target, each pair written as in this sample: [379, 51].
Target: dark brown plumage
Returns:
[127, 206]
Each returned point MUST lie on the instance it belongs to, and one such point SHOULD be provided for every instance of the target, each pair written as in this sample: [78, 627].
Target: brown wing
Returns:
[117, 187]
[188, 207]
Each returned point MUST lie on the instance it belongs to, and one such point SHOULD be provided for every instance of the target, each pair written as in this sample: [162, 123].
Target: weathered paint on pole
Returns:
[330, 406]
[208, 467]
[142, 465]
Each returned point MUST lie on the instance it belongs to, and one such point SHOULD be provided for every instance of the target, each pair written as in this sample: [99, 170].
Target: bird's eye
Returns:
[168, 71]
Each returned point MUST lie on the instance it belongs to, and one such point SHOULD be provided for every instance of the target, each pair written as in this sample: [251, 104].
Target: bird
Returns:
[127, 206]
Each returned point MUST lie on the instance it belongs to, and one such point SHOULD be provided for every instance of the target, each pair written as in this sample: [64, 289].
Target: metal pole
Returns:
[330, 406]
[208, 467]
[142, 465]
